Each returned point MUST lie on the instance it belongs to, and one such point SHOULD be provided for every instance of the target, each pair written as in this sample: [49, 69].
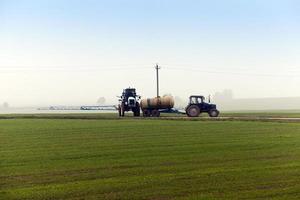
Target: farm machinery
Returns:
[152, 107]
[197, 105]
[129, 101]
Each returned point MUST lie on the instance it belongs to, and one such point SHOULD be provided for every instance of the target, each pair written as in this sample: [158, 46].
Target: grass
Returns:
[246, 115]
[148, 159]
[263, 114]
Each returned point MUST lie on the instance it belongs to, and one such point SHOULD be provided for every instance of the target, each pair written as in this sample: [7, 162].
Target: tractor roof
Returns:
[197, 96]
[130, 89]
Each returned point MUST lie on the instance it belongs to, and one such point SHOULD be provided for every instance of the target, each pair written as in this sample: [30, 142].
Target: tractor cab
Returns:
[197, 105]
[129, 97]
[129, 92]
[196, 99]
[129, 101]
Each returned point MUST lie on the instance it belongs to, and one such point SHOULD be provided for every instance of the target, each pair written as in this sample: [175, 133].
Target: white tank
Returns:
[165, 102]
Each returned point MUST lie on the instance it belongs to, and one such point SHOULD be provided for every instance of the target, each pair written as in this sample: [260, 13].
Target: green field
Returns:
[147, 159]
[263, 114]
[242, 114]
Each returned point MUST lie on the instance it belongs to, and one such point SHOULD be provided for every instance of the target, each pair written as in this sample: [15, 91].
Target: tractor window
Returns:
[196, 100]
[193, 100]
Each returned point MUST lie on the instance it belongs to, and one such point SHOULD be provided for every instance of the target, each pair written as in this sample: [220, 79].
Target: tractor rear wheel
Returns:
[155, 113]
[136, 112]
[193, 111]
[120, 111]
[213, 113]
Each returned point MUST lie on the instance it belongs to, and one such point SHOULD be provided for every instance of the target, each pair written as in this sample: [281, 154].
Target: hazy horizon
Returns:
[62, 53]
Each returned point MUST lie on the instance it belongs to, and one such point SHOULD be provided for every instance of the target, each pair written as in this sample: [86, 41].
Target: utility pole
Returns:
[157, 80]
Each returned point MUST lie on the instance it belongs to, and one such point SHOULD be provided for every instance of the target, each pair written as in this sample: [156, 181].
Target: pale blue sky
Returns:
[68, 52]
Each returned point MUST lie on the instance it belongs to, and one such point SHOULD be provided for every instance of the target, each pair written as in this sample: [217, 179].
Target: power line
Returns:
[73, 69]
[233, 73]
[217, 68]
[134, 67]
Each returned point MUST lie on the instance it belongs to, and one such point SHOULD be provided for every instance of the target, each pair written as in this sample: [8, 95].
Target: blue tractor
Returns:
[129, 101]
[197, 105]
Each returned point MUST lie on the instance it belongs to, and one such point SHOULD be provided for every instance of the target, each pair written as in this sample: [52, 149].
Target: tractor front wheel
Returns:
[193, 111]
[213, 113]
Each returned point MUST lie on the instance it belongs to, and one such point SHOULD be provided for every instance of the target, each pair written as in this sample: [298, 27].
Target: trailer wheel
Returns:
[155, 113]
[193, 111]
[213, 113]
[146, 113]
